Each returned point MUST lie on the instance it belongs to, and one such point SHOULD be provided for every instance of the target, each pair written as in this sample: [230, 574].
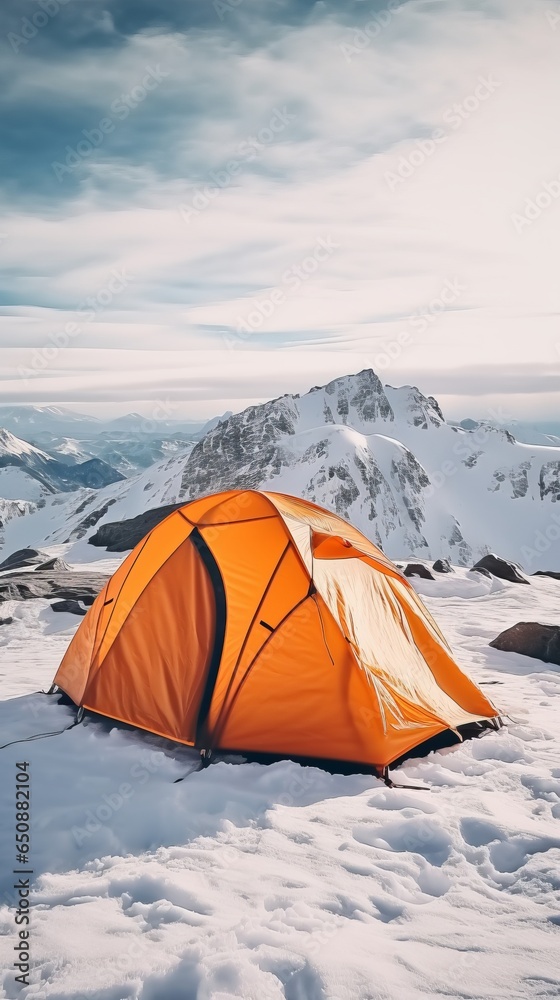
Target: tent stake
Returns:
[393, 784]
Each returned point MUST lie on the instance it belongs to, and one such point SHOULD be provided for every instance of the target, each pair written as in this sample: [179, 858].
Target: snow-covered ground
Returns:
[282, 882]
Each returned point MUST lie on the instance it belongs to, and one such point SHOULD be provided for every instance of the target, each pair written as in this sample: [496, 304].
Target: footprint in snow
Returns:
[419, 835]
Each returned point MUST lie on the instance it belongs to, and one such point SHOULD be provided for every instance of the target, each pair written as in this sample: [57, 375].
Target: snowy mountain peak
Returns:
[12, 445]
[361, 395]
[411, 405]
[385, 459]
[382, 457]
[27, 473]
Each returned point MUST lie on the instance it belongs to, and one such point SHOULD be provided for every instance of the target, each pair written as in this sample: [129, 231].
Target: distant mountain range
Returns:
[28, 473]
[29, 421]
[383, 457]
[546, 433]
[129, 443]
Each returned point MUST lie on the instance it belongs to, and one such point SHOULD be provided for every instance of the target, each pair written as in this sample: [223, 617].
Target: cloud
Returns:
[258, 133]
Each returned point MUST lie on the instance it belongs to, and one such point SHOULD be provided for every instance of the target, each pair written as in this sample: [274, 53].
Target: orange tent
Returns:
[262, 623]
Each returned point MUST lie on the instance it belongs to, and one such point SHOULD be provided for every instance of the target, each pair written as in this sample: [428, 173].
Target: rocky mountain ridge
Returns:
[382, 457]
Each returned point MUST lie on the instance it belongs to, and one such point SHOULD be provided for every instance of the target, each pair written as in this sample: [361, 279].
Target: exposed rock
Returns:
[119, 536]
[48, 584]
[549, 481]
[346, 490]
[517, 477]
[6, 621]
[349, 446]
[382, 506]
[91, 520]
[418, 569]
[436, 407]
[547, 572]
[531, 639]
[412, 479]
[85, 503]
[53, 564]
[501, 568]
[255, 446]
[22, 558]
[443, 566]
[471, 461]
[464, 551]
[363, 392]
[423, 411]
[72, 607]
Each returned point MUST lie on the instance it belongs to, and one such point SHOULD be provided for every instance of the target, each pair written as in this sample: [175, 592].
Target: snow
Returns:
[58, 522]
[385, 459]
[284, 882]
[12, 445]
[16, 483]
[382, 457]
[10, 509]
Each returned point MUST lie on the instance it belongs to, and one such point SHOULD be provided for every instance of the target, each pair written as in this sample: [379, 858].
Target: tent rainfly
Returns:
[258, 622]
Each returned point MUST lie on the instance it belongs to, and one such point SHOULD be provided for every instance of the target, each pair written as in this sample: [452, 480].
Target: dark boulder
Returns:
[72, 607]
[547, 572]
[23, 558]
[483, 572]
[418, 569]
[443, 566]
[120, 536]
[531, 639]
[501, 568]
[6, 621]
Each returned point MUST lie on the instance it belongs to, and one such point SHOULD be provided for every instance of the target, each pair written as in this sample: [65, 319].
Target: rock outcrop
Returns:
[51, 584]
[23, 558]
[381, 457]
[443, 566]
[71, 607]
[418, 569]
[501, 568]
[542, 642]
[119, 536]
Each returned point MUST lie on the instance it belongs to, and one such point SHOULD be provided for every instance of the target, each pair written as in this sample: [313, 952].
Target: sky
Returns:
[208, 203]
